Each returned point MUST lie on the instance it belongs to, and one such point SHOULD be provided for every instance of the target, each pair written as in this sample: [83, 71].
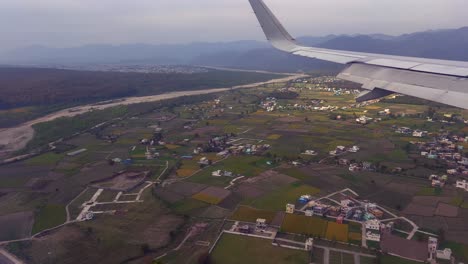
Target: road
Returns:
[16, 138]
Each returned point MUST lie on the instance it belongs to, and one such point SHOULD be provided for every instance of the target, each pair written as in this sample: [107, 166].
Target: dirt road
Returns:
[16, 138]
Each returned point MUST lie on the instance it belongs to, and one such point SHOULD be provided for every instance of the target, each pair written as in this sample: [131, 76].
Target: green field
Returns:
[187, 206]
[278, 199]
[460, 251]
[248, 166]
[49, 158]
[49, 216]
[249, 214]
[235, 249]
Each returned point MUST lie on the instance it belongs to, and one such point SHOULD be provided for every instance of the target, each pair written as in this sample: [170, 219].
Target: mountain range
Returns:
[440, 44]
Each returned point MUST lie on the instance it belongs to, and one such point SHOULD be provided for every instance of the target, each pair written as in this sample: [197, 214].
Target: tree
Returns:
[205, 258]
[145, 248]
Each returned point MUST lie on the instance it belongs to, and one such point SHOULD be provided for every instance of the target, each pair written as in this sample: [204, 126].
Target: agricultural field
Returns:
[182, 194]
[337, 232]
[278, 199]
[249, 214]
[237, 249]
[301, 224]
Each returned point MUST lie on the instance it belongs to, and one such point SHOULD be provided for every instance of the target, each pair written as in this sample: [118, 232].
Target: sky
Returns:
[68, 23]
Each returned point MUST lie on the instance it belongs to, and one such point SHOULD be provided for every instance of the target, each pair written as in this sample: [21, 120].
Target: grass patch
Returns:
[457, 201]
[249, 214]
[49, 158]
[277, 200]
[248, 166]
[459, 250]
[207, 198]
[354, 236]
[234, 249]
[187, 206]
[274, 137]
[295, 173]
[13, 181]
[429, 191]
[49, 216]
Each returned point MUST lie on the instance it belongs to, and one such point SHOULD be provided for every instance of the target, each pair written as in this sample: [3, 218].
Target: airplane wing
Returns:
[441, 81]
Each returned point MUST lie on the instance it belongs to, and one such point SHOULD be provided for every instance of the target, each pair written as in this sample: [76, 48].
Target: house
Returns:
[346, 203]
[290, 208]
[451, 171]
[373, 225]
[260, 224]
[372, 236]
[320, 210]
[462, 185]
[464, 161]
[363, 120]
[355, 167]
[204, 161]
[419, 133]
[377, 213]
[444, 254]
[217, 173]
[367, 166]
[340, 220]
[310, 152]
[432, 247]
[354, 149]
[309, 245]
[437, 184]
[343, 162]
[245, 229]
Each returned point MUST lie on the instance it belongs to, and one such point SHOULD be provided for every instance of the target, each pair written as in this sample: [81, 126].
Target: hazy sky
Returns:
[64, 23]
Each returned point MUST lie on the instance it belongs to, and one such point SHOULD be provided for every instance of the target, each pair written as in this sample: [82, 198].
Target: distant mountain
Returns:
[440, 44]
[131, 53]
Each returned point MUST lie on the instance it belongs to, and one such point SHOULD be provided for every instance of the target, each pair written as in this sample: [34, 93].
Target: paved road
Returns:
[7, 258]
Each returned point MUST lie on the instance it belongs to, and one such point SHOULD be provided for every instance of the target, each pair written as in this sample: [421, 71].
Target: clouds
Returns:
[76, 22]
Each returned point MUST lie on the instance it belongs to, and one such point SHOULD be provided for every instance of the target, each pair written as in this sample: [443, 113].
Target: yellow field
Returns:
[170, 146]
[206, 198]
[185, 172]
[274, 137]
[306, 225]
[355, 236]
[337, 232]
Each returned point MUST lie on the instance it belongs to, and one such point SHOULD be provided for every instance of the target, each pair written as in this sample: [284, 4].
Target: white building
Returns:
[310, 152]
[444, 254]
[373, 225]
[217, 173]
[345, 203]
[290, 208]
[462, 185]
[372, 236]
[354, 149]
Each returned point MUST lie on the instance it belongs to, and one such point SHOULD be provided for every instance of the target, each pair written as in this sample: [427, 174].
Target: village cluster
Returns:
[335, 212]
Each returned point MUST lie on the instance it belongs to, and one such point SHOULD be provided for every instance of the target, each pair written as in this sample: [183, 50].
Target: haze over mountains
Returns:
[440, 44]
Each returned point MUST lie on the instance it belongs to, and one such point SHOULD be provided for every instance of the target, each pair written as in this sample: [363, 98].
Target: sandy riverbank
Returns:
[16, 138]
